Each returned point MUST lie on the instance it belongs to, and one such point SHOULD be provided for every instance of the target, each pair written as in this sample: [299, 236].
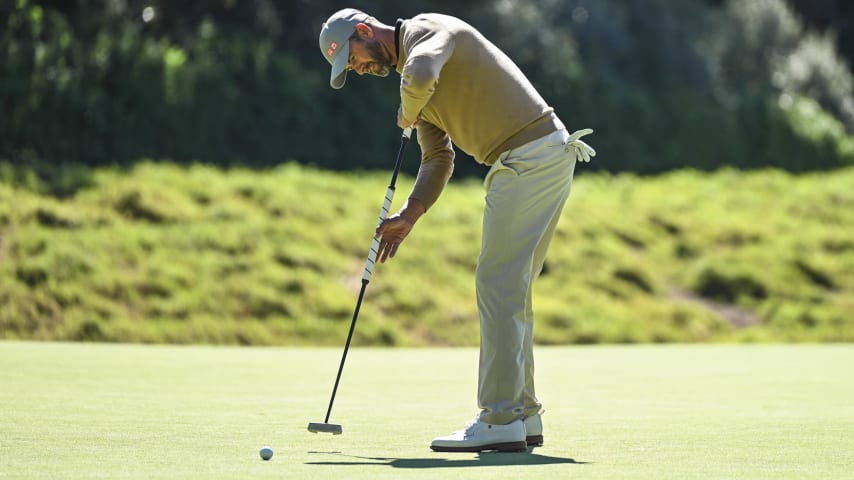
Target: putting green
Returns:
[129, 411]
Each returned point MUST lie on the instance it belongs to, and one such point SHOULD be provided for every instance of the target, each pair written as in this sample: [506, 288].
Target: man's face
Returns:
[368, 56]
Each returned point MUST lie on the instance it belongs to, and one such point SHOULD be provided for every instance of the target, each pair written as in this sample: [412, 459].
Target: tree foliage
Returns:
[664, 84]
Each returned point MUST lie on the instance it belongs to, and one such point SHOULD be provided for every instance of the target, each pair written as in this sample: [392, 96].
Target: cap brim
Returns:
[339, 67]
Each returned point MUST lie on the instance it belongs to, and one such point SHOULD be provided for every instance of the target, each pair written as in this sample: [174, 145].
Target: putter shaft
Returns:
[366, 278]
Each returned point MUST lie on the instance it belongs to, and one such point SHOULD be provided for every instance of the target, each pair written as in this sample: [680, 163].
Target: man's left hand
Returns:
[403, 123]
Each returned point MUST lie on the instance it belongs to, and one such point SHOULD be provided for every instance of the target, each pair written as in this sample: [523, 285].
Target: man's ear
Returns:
[364, 30]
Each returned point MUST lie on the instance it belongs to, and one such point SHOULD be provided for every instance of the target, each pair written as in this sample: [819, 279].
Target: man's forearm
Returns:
[412, 210]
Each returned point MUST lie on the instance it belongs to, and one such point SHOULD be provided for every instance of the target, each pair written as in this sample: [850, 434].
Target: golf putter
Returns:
[332, 428]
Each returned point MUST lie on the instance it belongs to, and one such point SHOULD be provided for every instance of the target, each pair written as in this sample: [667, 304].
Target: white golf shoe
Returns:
[479, 436]
[534, 430]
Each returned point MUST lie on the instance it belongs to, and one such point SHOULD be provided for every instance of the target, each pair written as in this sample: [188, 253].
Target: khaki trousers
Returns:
[526, 189]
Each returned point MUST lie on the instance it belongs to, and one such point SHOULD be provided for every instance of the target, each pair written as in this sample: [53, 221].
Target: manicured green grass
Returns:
[646, 412]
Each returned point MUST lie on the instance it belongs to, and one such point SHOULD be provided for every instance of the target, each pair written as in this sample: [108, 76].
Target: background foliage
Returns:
[227, 82]
[166, 174]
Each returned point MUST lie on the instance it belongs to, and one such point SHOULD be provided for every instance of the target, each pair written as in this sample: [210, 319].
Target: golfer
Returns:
[456, 86]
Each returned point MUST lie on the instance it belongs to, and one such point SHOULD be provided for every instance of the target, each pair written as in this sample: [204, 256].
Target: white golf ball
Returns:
[266, 453]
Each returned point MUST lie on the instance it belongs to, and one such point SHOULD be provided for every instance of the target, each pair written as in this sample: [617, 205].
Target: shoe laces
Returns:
[474, 421]
[471, 423]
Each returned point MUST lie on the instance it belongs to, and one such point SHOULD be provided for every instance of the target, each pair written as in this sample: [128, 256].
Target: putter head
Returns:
[325, 428]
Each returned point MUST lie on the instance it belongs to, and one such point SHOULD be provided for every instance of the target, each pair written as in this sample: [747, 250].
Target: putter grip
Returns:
[375, 246]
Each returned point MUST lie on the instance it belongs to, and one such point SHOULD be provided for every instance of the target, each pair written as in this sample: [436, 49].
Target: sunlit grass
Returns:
[164, 253]
[76, 411]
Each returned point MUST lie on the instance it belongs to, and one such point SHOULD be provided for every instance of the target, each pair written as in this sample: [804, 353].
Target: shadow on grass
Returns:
[490, 459]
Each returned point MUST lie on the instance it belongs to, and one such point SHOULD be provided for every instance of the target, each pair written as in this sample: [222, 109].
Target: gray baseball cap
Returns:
[335, 41]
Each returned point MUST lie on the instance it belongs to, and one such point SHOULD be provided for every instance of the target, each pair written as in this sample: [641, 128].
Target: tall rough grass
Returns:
[201, 255]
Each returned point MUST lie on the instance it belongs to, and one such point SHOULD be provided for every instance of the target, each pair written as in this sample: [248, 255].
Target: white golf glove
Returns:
[583, 152]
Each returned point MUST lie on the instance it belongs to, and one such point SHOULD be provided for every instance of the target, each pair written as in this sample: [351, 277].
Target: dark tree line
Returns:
[703, 84]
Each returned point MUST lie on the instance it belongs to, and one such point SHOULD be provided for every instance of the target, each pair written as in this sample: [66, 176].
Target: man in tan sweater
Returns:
[456, 86]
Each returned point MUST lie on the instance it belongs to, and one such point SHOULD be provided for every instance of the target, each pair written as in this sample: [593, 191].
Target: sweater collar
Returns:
[397, 25]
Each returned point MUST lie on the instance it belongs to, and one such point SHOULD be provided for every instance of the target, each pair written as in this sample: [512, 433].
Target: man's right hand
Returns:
[394, 229]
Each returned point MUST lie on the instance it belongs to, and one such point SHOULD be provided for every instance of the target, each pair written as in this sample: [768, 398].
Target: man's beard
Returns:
[380, 59]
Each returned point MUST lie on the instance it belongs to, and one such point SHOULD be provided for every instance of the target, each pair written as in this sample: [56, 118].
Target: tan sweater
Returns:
[466, 91]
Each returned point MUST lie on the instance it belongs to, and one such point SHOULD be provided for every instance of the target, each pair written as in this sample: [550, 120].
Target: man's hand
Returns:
[402, 123]
[392, 232]
[394, 229]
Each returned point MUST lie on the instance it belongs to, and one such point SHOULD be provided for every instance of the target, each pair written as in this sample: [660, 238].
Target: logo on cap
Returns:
[332, 47]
